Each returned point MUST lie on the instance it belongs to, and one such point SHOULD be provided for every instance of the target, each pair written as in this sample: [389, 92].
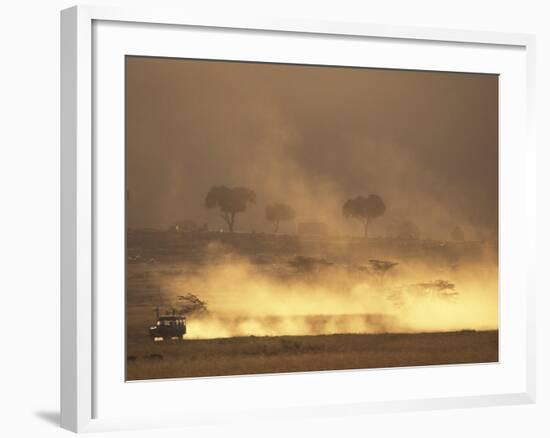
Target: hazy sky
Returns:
[426, 142]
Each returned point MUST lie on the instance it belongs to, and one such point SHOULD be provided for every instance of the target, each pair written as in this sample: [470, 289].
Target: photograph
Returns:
[291, 218]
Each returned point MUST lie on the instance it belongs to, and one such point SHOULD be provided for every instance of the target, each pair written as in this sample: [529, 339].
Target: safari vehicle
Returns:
[168, 327]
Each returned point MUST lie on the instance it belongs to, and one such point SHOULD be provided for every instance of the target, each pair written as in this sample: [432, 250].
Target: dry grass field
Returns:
[253, 355]
[268, 314]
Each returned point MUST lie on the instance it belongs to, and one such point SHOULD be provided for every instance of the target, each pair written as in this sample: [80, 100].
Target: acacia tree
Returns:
[190, 304]
[279, 212]
[230, 201]
[364, 209]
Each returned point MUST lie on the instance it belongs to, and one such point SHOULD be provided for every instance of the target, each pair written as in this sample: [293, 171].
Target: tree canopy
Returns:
[230, 201]
[364, 209]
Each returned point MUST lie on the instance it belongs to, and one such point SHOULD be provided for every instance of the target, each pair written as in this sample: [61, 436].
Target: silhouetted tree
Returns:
[364, 209]
[441, 288]
[380, 267]
[279, 212]
[309, 264]
[191, 304]
[230, 202]
[457, 234]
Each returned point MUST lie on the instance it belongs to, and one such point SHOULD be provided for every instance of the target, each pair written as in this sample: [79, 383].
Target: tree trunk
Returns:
[276, 227]
[229, 220]
[366, 227]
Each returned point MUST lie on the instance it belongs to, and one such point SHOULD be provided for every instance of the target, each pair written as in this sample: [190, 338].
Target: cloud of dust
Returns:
[246, 299]
[312, 137]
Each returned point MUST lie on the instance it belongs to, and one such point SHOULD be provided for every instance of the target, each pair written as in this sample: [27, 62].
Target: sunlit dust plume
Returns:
[311, 297]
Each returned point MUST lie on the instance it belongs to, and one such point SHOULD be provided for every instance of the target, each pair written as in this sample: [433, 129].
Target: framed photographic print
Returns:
[258, 207]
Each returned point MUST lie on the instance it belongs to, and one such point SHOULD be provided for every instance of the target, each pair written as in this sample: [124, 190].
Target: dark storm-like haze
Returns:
[313, 137]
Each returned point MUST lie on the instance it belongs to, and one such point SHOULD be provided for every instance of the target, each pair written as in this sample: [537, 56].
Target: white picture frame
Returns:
[86, 378]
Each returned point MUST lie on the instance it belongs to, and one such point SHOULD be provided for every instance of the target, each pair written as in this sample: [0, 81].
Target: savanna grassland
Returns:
[266, 303]
[280, 354]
